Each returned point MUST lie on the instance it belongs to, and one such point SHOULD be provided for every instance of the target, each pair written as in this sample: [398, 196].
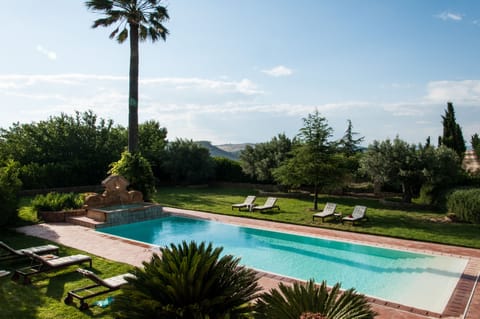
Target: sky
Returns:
[246, 71]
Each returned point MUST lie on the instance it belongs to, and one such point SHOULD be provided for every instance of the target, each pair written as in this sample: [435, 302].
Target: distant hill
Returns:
[230, 151]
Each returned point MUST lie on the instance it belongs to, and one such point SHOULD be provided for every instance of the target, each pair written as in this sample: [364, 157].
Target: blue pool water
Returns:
[418, 280]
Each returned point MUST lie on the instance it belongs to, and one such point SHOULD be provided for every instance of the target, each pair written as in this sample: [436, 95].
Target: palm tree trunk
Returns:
[133, 91]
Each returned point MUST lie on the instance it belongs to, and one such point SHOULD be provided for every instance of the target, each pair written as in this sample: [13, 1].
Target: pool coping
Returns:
[464, 302]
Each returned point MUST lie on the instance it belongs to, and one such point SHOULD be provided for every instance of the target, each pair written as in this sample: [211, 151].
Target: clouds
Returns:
[51, 55]
[463, 92]
[449, 16]
[278, 71]
[205, 108]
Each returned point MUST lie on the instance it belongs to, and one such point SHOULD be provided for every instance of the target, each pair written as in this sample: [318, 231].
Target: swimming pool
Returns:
[418, 280]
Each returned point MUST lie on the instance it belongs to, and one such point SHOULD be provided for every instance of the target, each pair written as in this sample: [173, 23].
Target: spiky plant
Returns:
[189, 281]
[312, 301]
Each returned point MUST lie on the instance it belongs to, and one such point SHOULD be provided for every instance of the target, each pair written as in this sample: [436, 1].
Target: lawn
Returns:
[44, 297]
[413, 223]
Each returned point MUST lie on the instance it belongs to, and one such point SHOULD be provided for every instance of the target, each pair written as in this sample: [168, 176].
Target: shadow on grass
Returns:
[19, 301]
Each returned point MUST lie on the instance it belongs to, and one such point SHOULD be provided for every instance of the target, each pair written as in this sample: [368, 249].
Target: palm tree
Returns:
[189, 281]
[144, 19]
[312, 301]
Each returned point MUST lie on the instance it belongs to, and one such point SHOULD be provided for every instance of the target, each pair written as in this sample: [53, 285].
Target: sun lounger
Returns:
[100, 286]
[359, 213]
[46, 263]
[269, 204]
[7, 252]
[247, 203]
[328, 210]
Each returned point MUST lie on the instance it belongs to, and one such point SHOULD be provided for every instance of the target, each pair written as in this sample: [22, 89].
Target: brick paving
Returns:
[134, 253]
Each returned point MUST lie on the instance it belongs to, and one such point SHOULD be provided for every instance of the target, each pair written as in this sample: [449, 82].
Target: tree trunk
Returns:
[133, 91]
[315, 197]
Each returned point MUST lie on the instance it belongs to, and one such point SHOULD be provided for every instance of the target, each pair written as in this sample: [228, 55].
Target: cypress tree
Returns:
[452, 132]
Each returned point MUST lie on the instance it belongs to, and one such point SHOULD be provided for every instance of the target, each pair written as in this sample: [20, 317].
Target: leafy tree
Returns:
[348, 144]
[189, 281]
[137, 170]
[396, 162]
[228, 170]
[314, 160]
[152, 144]
[63, 150]
[307, 300]
[452, 132]
[442, 170]
[476, 144]
[187, 162]
[10, 185]
[144, 19]
[260, 160]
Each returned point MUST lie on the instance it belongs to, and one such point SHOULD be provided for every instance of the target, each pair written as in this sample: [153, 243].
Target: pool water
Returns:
[418, 280]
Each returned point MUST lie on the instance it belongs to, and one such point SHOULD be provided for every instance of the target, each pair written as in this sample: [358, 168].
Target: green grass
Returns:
[413, 223]
[44, 297]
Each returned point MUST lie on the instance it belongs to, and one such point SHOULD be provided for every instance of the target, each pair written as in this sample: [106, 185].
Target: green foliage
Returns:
[54, 201]
[465, 204]
[260, 160]
[189, 281]
[152, 143]
[291, 302]
[411, 167]
[188, 163]
[10, 185]
[476, 144]
[137, 170]
[348, 144]
[314, 160]
[63, 150]
[452, 132]
[227, 170]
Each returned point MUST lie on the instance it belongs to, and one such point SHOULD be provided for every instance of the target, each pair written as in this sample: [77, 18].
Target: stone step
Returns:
[84, 221]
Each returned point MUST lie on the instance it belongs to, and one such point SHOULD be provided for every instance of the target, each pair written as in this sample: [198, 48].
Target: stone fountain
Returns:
[117, 205]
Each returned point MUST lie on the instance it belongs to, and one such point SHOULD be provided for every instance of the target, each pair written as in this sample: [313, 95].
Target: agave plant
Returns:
[312, 301]
[189, 281]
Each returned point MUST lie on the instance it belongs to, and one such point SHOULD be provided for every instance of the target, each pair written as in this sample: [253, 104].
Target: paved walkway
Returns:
[135, 253]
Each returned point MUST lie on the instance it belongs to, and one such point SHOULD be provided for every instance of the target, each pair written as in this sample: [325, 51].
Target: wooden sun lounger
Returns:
[270, 204]
[7, 252]
[247, 203]
[328, 210]
[359, 213]
[46, 263]
[100, 286]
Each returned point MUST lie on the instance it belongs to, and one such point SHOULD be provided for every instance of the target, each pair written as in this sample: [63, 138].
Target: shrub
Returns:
[191, 281]
[465, 204]
[308, 300]
[10, 185]
[227, 170]
[57, 201]
[137, 170]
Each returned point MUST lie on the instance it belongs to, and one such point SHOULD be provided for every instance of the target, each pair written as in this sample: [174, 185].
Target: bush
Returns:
[188, 280]
[10, 185]
[227, 170]
[57, 201]
[137, 170]
[465, 204]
